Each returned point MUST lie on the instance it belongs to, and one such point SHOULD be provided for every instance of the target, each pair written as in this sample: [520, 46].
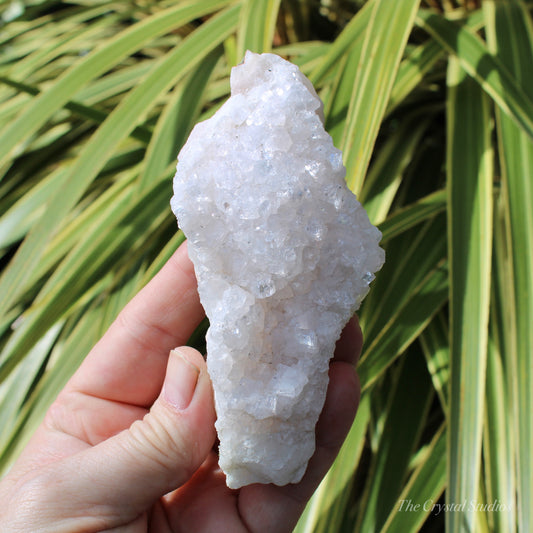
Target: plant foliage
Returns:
[432, 104]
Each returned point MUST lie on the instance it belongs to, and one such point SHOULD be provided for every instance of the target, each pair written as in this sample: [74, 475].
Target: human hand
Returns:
[128, 444]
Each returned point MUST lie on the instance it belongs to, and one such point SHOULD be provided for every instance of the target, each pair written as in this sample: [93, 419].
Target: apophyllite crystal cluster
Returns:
[283, 253]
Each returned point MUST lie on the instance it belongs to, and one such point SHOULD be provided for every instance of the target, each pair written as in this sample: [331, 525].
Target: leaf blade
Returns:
[469, 182]
[483, 66]
[385, 39]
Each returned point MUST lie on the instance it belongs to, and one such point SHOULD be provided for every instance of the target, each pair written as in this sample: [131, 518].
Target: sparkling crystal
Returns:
[283, 253]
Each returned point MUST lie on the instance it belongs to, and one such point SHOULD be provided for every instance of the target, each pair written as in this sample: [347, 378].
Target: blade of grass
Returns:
[404, 327]
[409, 402]
[423, 490]
[75, 38]
[502, 396]
[13, 391]
[121, 121]
[478, 62]
[434, 342]
[164, 255]
[304, 54]
[352, 33]
[51, 23]
[93, 114]
[337, 99]
[82, 226]
[385, 175]
[76, 279]
[469, 177]
[498, 447]
[18, 219]
[412, 70]
[421, 60]
[510, 35]
[77, 338]
[93, 65]
[177, 119]
[332, 498]
[114, 83]
[257, 25]
[410, 258]
[412, 215]
[385, 39]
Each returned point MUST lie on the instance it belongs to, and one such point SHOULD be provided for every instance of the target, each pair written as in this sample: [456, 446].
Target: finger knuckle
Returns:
[163, 442]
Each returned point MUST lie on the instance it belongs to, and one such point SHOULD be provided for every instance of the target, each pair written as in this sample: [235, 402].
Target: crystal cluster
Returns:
[283, 253]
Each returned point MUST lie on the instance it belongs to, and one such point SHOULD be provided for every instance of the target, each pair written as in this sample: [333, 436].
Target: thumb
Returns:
[127, 473]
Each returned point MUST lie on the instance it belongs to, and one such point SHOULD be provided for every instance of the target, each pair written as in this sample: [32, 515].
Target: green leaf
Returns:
[256, 26]
[405, 417]
[114, 83]
[434, 342]
[337, 98]
[385, 38]
[386, 173]
[410, 258]
[77, 338]
[76, 280]
[17, 220]
[412, 70]
[95, 115]
[95, 64]
[83, 225]
[413, 214]
[73, 34]
[13, 391]
[177, 119]
[423, 490]
[469, 178]
[478, 62]
[331, 500]
[108, 136]
[352, 33]
[419, 61]
[404, 327]
[498, 444]
[98, 97]
[510, 35]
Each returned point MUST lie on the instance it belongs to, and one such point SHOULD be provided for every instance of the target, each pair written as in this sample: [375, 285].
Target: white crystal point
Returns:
[283, 253]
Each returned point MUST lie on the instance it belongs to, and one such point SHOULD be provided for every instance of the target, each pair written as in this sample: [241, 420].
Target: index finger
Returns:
[128, 363]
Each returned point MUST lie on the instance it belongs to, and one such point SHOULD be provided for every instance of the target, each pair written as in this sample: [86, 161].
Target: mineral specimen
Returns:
[283, 253]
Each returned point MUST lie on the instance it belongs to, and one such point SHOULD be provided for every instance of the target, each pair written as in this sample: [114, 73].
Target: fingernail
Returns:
[180, 381]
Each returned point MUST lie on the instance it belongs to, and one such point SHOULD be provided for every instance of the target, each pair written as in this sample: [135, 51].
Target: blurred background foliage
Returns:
[432, 103]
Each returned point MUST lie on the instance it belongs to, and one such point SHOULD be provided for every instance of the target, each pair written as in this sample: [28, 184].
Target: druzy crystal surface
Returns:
[283, 253]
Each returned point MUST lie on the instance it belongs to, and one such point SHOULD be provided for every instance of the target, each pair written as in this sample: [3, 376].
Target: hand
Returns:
[128, 444]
